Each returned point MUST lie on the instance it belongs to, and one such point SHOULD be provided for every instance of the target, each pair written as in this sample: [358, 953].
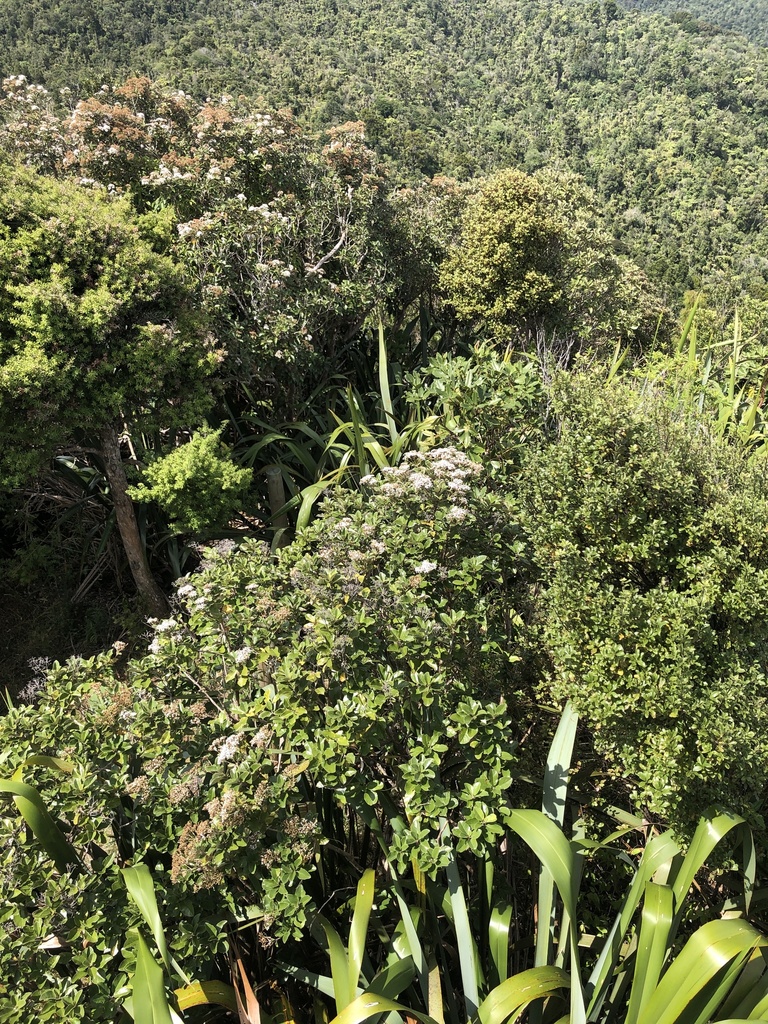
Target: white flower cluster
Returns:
[19, 90]
[196, 228]
[228, 747]
[421, 472]
[164, 174]
[243, 655]
[268, 213]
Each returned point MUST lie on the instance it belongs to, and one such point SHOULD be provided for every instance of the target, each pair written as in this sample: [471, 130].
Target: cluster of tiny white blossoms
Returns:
[164, 174]
[196, 228]
[227, 747]
[163, 627]
[189, 594]
[243, 655]
[447, 469]
[19, 90]
[267, 213]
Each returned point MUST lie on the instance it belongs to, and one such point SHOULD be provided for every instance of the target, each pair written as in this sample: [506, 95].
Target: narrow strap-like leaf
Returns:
[464, 940]
[386, 394]
[749, 990]
[138, 882]
[203, 993]
[358, 931]
[515, 994]
[344, 992]
[31, 807]
[150, 1002]
[711, 948]
[498, 938]
[369, 1004]
[658, 911]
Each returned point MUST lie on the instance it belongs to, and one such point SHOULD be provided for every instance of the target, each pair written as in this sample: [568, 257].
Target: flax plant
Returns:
[446, 962]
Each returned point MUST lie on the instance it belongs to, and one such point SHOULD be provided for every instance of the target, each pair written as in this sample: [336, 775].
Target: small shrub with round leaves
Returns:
[651, 544]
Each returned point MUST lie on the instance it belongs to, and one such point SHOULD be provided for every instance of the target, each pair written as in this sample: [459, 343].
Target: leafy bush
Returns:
[532, 260]
[651, 544]
[197, 485]
[372, 662]
[489, 405]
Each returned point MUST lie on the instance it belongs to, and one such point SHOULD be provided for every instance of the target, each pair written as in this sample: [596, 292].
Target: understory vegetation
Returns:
[384, 563]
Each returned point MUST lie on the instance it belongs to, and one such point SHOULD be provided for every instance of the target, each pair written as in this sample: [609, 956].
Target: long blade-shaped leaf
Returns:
[751, 987]
[559, 857]
[321, 982]
[369, 1004]
[359, 928]
[498, 938]
[658, 853]
[386, 394]
[708, 834]
[393, 979]
[514, 995]
[204, 993]
[43, 760]
[31, 807]
[710, 949]
[344, 992]
[138, 882]
[150, 1002]
[552, 849]
[658, 911]
[464, 941]
[554, 793]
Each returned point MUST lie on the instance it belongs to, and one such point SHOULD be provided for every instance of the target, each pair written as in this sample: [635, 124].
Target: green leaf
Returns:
[658, 911]
[369, 1004]
[34, 812]
[658, 852]
[710, 949]
[498, 938]
[464, 940]
[359, 928]
[515, 994]
[384, 389]
[138, 881]
[150, 1002]
[559, 857]
[203, 993]
[343, 990]
[554, 793]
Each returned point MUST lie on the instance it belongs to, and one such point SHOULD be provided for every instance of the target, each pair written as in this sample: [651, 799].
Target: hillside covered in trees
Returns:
[383, 548]
[664, 119]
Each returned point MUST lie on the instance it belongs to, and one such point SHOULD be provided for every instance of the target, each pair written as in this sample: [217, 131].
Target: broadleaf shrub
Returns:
[651, 544]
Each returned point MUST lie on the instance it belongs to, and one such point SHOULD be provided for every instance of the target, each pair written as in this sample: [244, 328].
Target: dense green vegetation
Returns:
[710, 18]
[674, 151]
[425, 420]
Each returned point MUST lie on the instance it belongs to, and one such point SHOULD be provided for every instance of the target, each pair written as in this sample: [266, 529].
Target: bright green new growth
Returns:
[532, 261]
[197, 485]
[95, 326]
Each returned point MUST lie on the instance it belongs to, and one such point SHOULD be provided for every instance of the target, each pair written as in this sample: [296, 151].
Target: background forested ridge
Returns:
[665, 118]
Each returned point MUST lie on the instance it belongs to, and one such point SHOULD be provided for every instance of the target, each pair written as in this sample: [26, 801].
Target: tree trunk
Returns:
[149, 591]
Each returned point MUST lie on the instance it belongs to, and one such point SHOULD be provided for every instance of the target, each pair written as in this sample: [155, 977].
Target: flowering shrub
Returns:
[370, 668]
[293, 244]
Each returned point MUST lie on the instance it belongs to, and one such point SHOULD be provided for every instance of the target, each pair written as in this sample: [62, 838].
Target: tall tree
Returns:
[98, 336]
